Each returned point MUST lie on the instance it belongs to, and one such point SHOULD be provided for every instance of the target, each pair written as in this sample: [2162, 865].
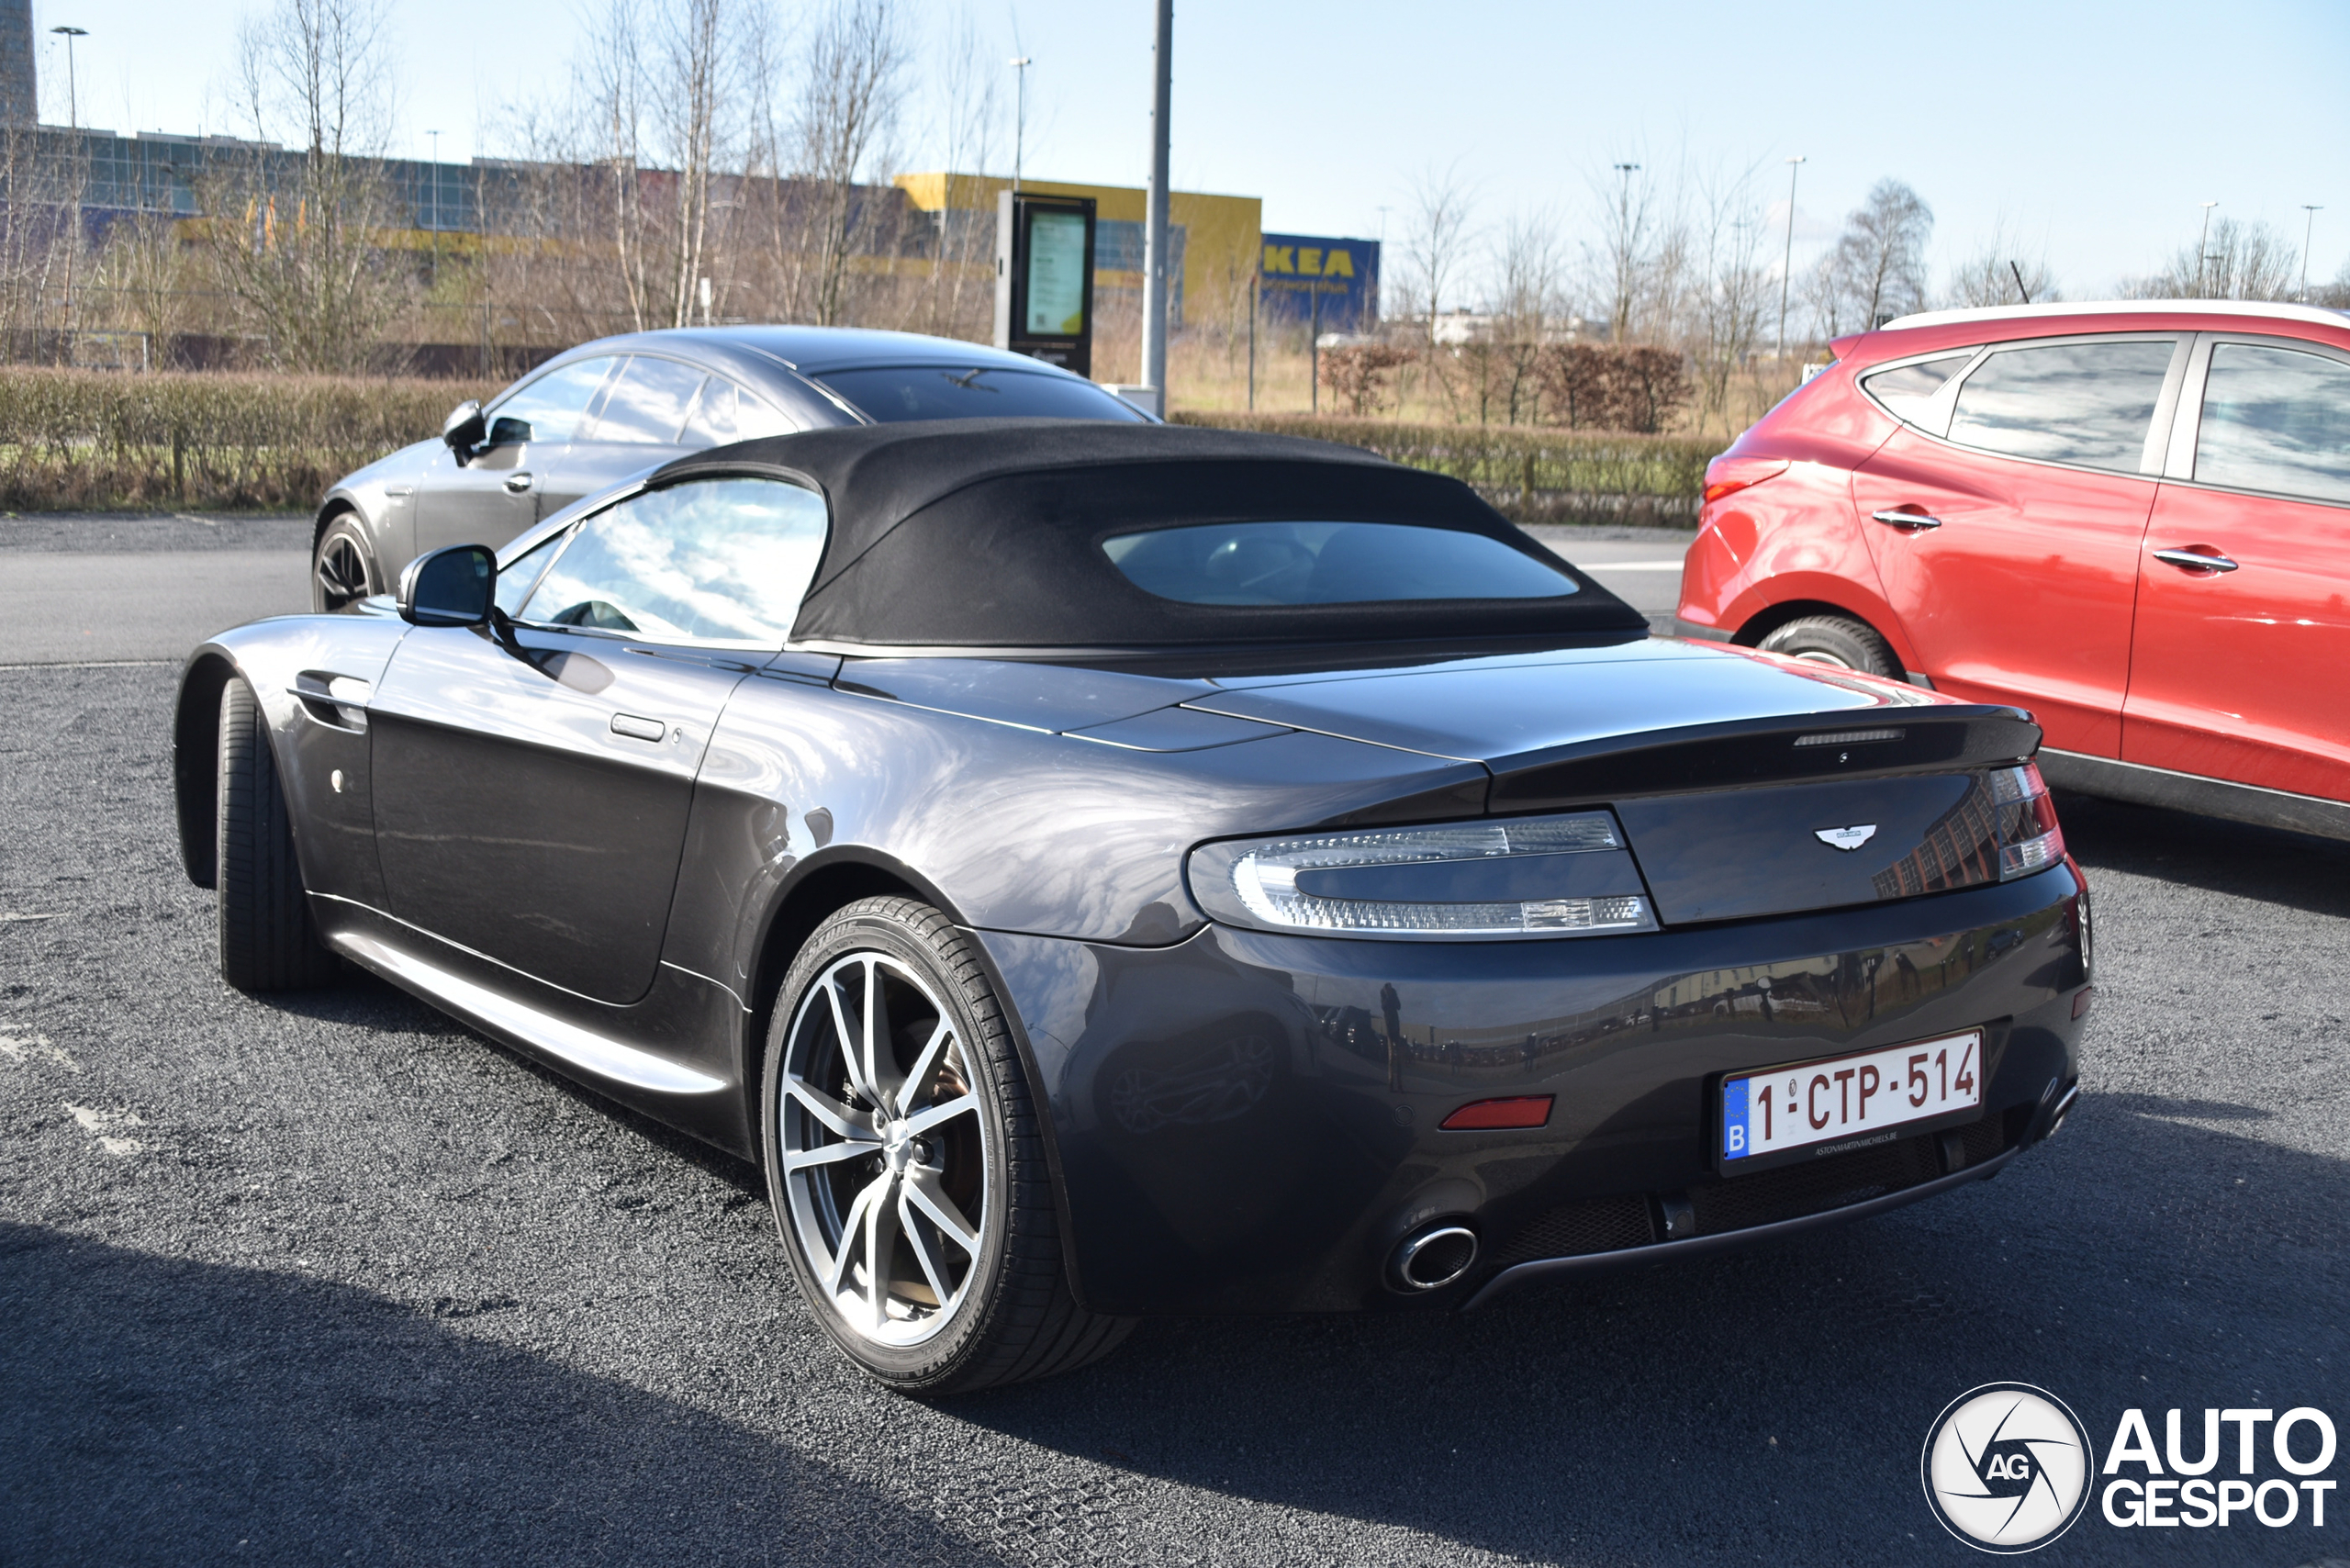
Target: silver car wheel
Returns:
[883, 1148]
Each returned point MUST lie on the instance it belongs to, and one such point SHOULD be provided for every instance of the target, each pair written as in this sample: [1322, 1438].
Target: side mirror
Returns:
[463, 429]
[449, 588]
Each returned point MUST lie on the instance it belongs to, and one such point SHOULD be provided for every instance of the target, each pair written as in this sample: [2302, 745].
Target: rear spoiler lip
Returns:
[1740, 754]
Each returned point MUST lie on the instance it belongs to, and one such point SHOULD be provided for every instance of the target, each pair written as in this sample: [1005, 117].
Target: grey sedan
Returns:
[597, 414]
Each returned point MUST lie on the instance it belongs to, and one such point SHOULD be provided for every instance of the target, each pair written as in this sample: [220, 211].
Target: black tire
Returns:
[267, 940]
[1009, 1316]
[1837, 640]
[342, 567]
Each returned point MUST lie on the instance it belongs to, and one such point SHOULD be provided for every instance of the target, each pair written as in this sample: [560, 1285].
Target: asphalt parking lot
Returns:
[326, 1277]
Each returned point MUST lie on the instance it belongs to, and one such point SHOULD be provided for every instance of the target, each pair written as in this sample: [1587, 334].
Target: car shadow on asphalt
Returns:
[2139, 1259]
[157, 1411]
[2268, 864]
[360, 999]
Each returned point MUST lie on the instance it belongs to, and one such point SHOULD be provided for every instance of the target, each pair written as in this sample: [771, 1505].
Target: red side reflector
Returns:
[2081, 1001]
[1728, 475]
[1522, 1111]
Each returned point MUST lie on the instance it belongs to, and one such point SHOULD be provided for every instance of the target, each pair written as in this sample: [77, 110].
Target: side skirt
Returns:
[665, 1057]
[525, 1025]
[2188, 792]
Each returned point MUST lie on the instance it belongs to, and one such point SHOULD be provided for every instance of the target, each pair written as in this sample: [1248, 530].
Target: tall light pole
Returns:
[1787, 261]
[2202, 254]
[1020, 65]
[2308, 230]
[72, 121]
[1616, 329]
[72, 94]
[1154, 241]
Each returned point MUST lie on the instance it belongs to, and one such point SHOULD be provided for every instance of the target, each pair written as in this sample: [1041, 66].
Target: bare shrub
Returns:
[1357, 372]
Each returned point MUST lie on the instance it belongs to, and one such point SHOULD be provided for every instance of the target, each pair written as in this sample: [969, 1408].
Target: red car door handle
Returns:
[2195, 560]
[1902, 517]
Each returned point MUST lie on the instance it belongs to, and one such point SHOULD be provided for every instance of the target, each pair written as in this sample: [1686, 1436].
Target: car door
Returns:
[2240, 669]
[494, 495]
[638, 426]
[2007, 539]
[531, 796]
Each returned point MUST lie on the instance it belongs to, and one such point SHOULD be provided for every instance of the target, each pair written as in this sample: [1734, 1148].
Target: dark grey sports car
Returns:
[607, 410]
[1108, 870]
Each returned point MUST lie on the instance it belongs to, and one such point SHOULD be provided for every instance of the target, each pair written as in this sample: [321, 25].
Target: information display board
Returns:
[1044, 290]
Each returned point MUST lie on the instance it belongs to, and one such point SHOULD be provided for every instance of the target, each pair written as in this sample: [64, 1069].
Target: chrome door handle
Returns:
[638, 728]
[518, 483]
[2195, 561]
[1910, 521]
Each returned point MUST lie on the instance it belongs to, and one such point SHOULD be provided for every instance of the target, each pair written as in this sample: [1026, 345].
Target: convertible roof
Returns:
[987, 533]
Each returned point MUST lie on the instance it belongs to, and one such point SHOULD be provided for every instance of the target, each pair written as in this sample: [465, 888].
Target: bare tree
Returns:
[1527, 272]
[1878, 269]
[971, 106]
[2002, 270]
[854, 75]
[298, 252]
[1728, 304]
[2236, 260]
[1436, 249]
[1624, 262]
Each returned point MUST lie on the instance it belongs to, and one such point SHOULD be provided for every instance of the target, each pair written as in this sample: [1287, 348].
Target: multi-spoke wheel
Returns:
[343, 568]
[885, 1159]
[905, 1161]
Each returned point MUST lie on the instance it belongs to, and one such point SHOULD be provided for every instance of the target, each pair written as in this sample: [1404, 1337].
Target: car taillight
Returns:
[1556, 876]
[1728, 475]
[2030, 839]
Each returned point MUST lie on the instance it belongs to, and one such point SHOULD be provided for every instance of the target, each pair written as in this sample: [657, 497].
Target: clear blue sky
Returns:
[2092, 128]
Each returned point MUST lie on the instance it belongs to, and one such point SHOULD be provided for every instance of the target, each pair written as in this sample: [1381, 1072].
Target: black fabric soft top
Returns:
[987, 533]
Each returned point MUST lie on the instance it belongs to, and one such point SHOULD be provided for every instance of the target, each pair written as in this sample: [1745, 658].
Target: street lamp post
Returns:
[1155, 237]
[2202, 248]
[2308, 230]
[1787, 263]
[73, 122]
[1020, 65]
[1623, 252]
[73, 93]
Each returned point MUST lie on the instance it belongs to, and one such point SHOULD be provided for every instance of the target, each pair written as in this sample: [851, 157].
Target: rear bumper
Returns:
[1248, 1122]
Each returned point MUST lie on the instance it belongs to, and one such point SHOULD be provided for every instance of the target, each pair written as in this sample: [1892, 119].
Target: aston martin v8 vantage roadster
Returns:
[1097, 871]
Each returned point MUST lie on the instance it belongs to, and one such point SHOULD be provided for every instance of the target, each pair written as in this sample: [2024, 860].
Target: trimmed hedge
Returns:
[95, 439]
[1531, 474]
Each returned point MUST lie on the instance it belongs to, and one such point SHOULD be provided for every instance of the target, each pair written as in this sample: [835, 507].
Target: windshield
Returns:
[964, 392]
[1328, 563]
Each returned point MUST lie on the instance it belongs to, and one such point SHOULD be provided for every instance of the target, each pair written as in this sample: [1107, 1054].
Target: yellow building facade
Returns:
[1220, 235]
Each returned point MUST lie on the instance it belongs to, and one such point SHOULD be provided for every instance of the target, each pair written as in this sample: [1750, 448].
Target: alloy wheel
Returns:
[342, 573]
[883, 1149]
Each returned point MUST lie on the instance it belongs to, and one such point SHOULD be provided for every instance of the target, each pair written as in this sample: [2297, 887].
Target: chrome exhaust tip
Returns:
[2063, 1108]
[1433, 1258]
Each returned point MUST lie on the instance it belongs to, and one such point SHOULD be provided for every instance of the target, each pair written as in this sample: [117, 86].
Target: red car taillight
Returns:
[1728, 475]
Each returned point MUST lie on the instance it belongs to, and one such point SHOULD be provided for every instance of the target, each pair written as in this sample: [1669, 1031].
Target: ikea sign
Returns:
[1310, 277]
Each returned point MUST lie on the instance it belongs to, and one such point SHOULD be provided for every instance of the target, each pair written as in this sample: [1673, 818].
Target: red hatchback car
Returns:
[2131, 519]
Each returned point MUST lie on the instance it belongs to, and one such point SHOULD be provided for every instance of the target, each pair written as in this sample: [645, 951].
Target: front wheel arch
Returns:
[195, 740]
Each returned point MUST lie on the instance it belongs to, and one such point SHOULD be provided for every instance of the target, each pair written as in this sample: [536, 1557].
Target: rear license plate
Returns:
[1827, 1107]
